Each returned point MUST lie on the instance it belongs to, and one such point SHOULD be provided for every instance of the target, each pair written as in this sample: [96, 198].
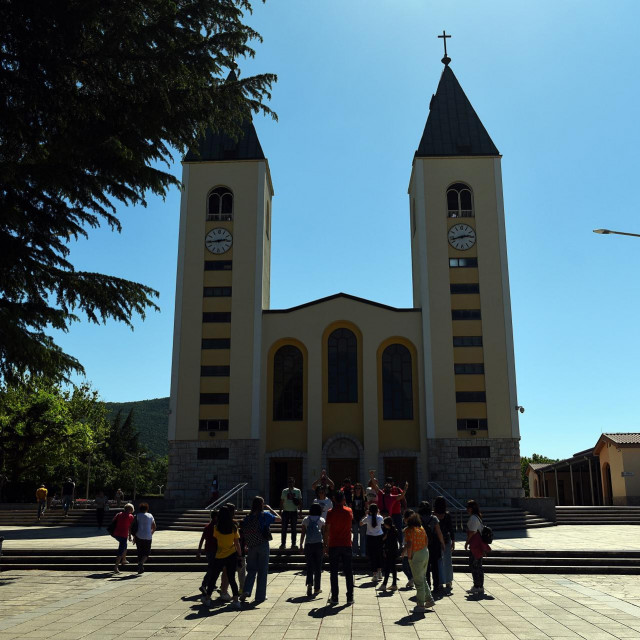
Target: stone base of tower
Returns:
[189, 478]
[492, 481]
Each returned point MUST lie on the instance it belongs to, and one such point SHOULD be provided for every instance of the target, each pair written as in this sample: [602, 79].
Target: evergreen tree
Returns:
[95, 96]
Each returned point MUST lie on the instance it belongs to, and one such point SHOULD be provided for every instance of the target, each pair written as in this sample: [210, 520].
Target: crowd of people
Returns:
[343, 522]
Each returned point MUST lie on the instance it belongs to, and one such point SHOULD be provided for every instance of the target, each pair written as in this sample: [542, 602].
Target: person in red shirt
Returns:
[390, 502]
[337, 542]
[122, 533]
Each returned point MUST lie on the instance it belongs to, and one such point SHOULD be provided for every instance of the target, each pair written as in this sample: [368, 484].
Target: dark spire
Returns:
[453, 127]
[219, 146]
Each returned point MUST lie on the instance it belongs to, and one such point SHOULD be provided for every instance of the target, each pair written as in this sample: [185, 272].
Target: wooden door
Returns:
[280, 472]
[340, 468]
[401, 470]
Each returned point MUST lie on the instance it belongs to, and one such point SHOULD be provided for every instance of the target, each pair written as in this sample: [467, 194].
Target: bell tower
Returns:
[461, 283]
[222, 288]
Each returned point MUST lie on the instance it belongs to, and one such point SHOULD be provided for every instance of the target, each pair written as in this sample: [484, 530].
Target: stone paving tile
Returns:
[72, 605]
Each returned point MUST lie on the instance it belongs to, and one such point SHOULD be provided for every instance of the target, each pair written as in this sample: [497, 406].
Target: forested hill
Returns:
[150, 418]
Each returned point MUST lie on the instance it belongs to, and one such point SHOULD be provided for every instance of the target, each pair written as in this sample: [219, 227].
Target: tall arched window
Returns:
[287, 383]
[397, 386]
[220, 204]
[343, 366]
[459, 201]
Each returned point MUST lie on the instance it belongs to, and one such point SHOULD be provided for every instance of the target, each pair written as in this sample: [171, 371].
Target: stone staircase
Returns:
[499, 519]
[598, 515]
[507, 561]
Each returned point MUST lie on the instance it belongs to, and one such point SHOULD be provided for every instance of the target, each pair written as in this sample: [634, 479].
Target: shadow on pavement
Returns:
[49, 533]
[327, 610]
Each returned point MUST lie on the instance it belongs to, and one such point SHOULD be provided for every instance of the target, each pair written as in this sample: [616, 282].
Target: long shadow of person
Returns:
[327, 610]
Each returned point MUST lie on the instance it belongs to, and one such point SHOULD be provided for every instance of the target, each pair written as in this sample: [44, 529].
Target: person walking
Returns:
[290, 505]
[431, 525]
[146, 526]
[406, 567]
[359, 509]
[445, 562]
[390, 552]
[337, 543]
[311, 541]
[41, 499]
[122, 533]
[210, 547]
[256, 536]
[476, 547]
[68, 489]
[322, 500]
[416, 544]
[101, 503]
[228, 554]
[119, 498]
[373, 521]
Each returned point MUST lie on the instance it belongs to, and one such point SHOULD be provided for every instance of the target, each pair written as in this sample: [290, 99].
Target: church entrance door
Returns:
[340, 468]
[401, 470]
[281, 470]
[343, 460]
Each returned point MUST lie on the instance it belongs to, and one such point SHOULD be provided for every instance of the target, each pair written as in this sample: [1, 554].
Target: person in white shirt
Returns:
[146, 525]
[323, 501]
[374, 540]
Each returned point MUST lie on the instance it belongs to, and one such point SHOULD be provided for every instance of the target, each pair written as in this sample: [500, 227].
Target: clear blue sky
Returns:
[555, 84]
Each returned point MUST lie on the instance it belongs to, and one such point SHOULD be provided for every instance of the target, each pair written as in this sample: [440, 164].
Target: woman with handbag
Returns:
[256, 534]
[120, 529]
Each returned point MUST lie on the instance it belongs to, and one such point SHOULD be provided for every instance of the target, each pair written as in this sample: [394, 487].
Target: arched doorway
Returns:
[607, 488]
[343, 460]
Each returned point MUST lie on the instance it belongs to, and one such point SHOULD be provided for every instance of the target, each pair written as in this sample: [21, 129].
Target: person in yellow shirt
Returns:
[41, 498]
[228, 554]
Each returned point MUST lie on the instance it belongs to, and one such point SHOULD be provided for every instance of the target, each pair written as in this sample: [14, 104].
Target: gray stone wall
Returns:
[492, 481]
[190, 479]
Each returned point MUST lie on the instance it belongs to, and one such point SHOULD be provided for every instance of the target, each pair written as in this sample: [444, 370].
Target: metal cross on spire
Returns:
[446, 60]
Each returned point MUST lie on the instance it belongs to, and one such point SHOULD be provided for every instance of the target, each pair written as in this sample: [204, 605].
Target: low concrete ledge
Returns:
[543, 507]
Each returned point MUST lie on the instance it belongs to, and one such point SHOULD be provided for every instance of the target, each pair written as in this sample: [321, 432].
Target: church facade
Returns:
[425, 394]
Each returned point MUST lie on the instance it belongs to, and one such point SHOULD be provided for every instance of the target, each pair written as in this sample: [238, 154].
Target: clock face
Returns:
[218, 240]
[461, 237]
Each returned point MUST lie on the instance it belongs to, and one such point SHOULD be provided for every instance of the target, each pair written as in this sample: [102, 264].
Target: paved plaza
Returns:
[561, 538]
[70, 606]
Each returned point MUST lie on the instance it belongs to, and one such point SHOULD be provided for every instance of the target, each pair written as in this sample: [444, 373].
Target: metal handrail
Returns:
[453, 502]
[232, 492]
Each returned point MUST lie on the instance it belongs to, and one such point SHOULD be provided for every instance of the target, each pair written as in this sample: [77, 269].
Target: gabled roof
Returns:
[618, 440]
[537, 465]
[453, 127]
[219, 146]
[341, 295]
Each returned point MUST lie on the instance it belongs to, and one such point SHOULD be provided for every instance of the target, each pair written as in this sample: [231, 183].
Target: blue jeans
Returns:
[445, 565]
[257, 563]
[406, 567]
[359, 537]
[66, 502]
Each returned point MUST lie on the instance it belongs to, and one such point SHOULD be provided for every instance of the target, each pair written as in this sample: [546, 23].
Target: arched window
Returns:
[220, 204]
[287, 383]
[343, 366]
[397, 387]
[459, 201]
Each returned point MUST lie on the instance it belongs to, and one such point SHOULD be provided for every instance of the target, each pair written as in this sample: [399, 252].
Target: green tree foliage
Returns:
[45, 431]
[95, 98]
[151, 421]
[48, 433]
[536, 458]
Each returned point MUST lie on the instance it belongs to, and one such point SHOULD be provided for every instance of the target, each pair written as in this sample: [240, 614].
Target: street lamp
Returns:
[140, 454]
[618, 233]
[89, 467]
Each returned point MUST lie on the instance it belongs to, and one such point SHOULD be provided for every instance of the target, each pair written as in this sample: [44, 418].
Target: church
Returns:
[425, 394]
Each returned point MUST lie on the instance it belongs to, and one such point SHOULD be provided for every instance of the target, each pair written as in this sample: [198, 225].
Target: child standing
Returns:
[390, 549]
